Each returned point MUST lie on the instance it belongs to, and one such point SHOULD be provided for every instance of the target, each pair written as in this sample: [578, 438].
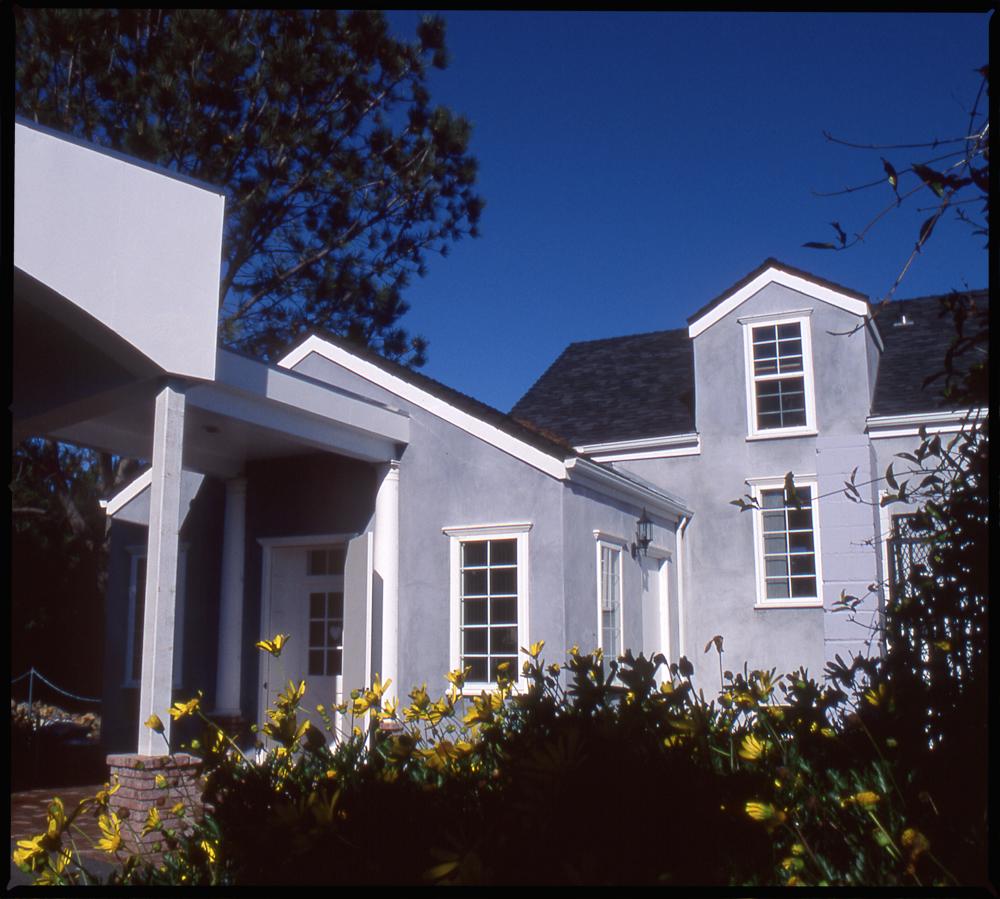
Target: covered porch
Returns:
[114, 331]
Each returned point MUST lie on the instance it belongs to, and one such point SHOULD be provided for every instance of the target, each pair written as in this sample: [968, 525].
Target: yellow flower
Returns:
[178, 809]
[104, 795]
[154, 723]
[458, 676]
[160, 781]
[57, 819]
[111, 830]
[866, 799]
[764, 811]
[915, 841]
[753, 748]
[877, 697]
[760, 811]
[181, 709]
[535, 650]
[209, 849]
[29, 851]
[56, 865]
[273, 646]
[152, 821]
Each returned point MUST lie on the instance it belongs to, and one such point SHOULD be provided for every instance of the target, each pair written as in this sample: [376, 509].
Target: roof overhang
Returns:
[611, 483]
[773, 274]
[251, 411]
[944, 422]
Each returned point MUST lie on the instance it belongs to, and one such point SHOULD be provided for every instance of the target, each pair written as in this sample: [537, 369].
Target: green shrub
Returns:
[597, 772]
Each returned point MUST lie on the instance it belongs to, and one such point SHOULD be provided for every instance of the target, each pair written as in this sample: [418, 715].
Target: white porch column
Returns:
[161, 567]
[386, 561]
[230, 657]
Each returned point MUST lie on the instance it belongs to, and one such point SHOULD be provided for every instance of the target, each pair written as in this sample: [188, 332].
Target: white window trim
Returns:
[136, 553]
[616, 544]
[762, 602]
[808, 380]
[466, 533]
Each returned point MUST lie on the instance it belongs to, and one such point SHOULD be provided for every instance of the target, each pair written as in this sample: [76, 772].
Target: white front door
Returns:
[319, 594]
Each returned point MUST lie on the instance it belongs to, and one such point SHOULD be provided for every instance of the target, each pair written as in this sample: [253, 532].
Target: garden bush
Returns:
[598, 771]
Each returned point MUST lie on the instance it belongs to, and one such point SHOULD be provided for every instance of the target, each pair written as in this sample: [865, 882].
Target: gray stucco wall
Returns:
[720, 589]
[585, 512]
[449, 478]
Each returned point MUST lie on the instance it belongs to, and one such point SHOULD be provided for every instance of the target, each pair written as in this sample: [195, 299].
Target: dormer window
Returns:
[779, 376]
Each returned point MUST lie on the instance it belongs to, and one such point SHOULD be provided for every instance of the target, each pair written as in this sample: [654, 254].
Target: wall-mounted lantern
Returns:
[643, 535]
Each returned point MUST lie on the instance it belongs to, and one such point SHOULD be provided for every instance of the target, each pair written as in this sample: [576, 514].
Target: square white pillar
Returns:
[161, 567]
[386, 563]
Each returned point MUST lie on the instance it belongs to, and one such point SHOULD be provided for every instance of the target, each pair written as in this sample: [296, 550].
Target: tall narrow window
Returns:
[489, 607]
[780, 391]
[788, 545]
[610, 590]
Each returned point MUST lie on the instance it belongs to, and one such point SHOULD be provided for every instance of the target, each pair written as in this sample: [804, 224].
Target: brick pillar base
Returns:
[139, 793]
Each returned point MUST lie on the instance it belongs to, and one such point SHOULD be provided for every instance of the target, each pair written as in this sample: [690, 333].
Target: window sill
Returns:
[777, 435]
[474, 691]
[790, 604]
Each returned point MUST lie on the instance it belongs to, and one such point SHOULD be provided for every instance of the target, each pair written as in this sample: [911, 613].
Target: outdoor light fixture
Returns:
[643, 535]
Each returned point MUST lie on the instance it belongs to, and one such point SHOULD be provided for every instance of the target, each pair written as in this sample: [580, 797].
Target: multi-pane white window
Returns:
[788, 555]
[780, 387]
[610, 598]
[489, 600]
[326, 614]
[489, 607]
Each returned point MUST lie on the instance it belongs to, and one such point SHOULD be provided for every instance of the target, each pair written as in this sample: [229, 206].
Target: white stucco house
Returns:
[393, 526]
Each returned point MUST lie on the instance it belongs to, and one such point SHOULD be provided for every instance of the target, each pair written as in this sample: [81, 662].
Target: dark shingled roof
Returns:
[916, 351]
[534, 436]
[623, 388]
[616, 389]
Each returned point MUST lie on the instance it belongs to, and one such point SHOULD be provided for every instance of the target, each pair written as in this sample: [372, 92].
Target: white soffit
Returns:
[774, 275]
[428, 402]
[137, 249]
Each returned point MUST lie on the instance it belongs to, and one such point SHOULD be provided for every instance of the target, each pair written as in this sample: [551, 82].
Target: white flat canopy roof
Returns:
[136, 249]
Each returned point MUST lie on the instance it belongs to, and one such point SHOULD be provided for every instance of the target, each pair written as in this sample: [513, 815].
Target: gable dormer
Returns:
[783, 354]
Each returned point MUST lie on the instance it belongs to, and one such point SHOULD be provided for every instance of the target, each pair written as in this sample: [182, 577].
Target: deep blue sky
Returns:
[635, 165]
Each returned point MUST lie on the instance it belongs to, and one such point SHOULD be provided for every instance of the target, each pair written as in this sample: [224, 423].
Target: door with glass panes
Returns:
[319, 595]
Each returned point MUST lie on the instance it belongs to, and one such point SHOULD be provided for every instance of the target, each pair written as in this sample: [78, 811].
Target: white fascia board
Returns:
[611, 483]
[785, 279]
[128, 493]
[882, 426]
[497, 438]
[643, 448]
